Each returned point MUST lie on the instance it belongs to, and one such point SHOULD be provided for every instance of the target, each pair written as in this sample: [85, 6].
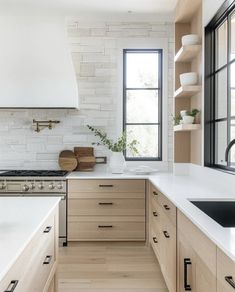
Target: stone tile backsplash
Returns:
[94, 53]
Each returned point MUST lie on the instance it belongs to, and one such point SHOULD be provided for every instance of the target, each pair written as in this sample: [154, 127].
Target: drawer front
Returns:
[106, 186]
[155, 241]
[103, 228]
[167, 206]
[42, 264]
[225, 273]
[155, 213]
[106, 195]
[103, 207]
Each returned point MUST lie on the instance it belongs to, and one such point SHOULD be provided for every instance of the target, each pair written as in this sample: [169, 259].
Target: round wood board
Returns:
[67, 160]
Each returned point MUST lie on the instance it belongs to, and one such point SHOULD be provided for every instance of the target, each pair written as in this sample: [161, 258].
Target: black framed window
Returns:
[142, 102]
[220, 88]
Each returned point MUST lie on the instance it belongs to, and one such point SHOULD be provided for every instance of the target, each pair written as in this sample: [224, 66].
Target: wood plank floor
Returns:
[109, 267]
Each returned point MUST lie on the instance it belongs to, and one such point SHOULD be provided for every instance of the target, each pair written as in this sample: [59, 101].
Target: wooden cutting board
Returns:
[67, 160]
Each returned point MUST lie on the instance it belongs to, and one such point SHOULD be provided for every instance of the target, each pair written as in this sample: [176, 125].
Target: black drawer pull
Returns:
[166, 207]
[106, 186]
[105, 226]
[230, 280]
[155, 214]
[47, 260]
[155, 240]
[166, 234]
[105, 203]
[47, 229]
[155, 193]
[12, 286]
[187, 262]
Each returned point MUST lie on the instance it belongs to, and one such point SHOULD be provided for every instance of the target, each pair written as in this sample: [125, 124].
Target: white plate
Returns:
[143, 171]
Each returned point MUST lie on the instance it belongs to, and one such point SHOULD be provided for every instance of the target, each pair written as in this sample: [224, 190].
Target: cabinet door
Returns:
[197, 258]
[186, 266]
[225, 273]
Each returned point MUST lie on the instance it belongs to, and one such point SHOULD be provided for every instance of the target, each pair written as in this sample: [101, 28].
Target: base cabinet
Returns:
[163, 235]
[106, 210]
[34, 270]
[196, 258]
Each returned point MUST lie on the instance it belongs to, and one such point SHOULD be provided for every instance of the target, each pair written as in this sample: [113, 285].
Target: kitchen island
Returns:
[28, 243]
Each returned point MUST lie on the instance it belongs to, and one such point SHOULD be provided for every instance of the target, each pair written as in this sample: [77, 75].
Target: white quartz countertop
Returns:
[180, 190]
[20, 219]
[103, 175]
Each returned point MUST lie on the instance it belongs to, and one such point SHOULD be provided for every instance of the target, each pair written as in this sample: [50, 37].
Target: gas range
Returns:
[33, 181]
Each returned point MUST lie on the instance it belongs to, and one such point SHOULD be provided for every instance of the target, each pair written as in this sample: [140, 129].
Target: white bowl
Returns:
[188, 78]
[183, 113]
[188, 120]
[190, 39]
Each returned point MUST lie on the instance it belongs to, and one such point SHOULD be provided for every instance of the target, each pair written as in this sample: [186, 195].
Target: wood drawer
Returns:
[225, 270]
[106, 228]
[155, 242]
[167, 206]
[106, 195]
[43, 261]
[104, 207]
[106, 186]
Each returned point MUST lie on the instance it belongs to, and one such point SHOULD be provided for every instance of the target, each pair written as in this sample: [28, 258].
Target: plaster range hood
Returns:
[36, 69]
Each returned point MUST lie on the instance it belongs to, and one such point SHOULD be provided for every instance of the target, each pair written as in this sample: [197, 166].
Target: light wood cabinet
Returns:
[225, 273]
[35, 268]
[106, 210]
[163, 235]
[196, 258]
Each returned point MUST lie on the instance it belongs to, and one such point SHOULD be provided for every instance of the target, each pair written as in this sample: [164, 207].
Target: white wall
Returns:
[95, 56]
[210, 7]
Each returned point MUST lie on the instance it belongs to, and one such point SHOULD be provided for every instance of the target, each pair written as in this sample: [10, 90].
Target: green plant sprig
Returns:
[118, 146]
[193, 112]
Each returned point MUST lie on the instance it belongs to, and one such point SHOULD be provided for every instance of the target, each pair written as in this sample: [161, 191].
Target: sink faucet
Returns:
[230, 145]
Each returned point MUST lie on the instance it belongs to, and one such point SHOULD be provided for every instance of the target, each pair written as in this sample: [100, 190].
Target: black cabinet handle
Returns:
[12, 286]
[105, 226]
[106, 186]
[166, 207]
[166, 234]
[155, 193]
[105, 203]
[47, 260]
[47, 229]
[230, 280]
[187, 262]
[155, 240]
[155, 214]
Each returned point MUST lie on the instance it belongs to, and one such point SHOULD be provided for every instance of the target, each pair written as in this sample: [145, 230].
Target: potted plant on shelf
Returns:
[189, 118]
[117, 160]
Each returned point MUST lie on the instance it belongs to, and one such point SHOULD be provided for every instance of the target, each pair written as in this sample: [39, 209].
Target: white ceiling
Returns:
[73, 7]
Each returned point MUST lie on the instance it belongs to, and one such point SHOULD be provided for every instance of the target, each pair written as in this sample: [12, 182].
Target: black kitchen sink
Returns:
[223, 212]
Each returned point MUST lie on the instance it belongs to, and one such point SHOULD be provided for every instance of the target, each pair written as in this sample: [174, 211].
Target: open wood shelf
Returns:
[187, 53]
[187, 91]
[187, 127]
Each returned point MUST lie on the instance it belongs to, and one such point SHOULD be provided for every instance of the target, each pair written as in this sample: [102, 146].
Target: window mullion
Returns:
[228, 87]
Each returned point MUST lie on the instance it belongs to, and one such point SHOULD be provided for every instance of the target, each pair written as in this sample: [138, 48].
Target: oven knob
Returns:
[51, 186]
[25, 188]
[41, 186]
[32, 186]
[60, 186]
[2, 186]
